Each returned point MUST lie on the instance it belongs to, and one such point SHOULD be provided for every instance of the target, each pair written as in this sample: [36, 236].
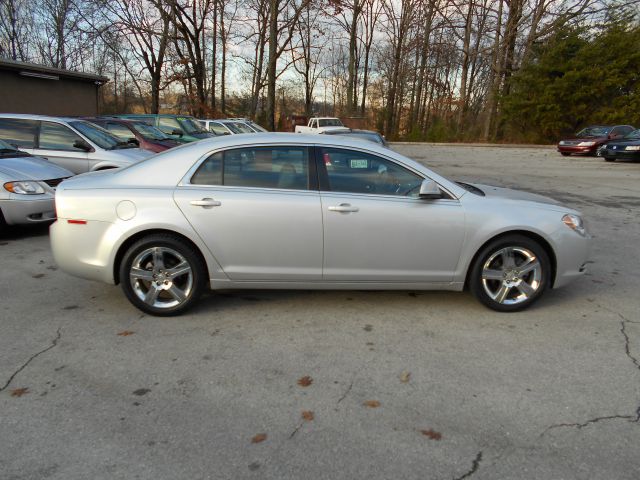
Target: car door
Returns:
[377, 229]
[57, 143]
[258, 211]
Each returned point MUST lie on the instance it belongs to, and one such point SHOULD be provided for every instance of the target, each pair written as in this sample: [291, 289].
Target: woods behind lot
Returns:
[435, 70]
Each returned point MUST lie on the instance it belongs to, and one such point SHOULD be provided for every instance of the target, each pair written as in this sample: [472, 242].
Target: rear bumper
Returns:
[26, 210]
[83, 250]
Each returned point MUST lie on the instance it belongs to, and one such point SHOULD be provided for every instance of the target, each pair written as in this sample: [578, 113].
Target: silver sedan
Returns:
[27, 187]
[289, 211]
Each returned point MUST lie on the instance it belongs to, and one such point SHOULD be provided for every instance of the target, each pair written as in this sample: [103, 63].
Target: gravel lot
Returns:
[403, 385]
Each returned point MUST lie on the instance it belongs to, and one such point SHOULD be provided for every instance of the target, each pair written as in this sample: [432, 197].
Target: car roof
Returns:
[30, 116]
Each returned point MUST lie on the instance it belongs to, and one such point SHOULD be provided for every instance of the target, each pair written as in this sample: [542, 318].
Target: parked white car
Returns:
[74, 144]
[28, 186]
[289, 211]
[321, 125]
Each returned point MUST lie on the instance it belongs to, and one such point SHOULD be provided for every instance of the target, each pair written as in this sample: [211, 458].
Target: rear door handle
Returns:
[343, 208]
[206, 203]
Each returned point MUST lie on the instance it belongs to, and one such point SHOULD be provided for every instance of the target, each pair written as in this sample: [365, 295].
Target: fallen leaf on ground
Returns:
[404, 376]
[18, 392]
[261, 437]
[125, 333]
[432, 434]
[307, 415]
[305, 381]
[372, 403]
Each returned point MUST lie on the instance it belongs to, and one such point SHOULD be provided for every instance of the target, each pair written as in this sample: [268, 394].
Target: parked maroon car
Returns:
[148, 137]
[591, 140]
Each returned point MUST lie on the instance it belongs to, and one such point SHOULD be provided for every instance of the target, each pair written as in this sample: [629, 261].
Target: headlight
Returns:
[574, 222]
[633, 148]
[24, 188]
[586, 144]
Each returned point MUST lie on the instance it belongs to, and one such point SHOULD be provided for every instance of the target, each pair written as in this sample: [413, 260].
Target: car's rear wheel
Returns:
[510, 273]
[609, 159]
[162, 275]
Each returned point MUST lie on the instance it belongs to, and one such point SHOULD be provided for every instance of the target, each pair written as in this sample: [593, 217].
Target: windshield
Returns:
[149, 132]
[238, 127]
[98, 135]
[190, 125]
[330, 122]
[4, 146]
[257, 127]
[594, 132]
[633, 135]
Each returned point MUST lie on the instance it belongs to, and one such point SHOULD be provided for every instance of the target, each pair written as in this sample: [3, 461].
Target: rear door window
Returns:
[262, 167]
[18, 132]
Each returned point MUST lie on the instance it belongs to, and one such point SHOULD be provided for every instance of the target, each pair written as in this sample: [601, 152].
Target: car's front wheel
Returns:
[162, 275]
[510, 273]
[565, 154]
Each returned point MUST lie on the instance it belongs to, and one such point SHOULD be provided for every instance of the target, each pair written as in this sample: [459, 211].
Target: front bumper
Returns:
[621, 154]
[572, 255]
[26, 209]
[574, 149]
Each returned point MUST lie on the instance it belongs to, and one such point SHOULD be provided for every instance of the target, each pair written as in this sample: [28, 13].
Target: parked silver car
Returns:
[292, 211]
[28, 185]
[226, 127]
[74, 144]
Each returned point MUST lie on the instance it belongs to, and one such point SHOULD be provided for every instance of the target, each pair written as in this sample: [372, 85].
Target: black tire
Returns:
[490, 262]
[609, 159]
[156, 278]
[565, 154]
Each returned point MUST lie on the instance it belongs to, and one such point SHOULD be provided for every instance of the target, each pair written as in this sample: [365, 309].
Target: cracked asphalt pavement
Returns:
[403, 385]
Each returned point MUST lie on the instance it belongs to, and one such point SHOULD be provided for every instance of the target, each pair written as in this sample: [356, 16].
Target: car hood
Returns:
[584, 139]
[31, 168]
[509, 194]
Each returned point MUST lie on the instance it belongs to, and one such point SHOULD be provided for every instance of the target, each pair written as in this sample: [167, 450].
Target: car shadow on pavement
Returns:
[20, 232]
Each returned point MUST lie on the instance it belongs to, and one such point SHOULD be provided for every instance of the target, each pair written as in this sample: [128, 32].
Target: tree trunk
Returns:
[271, 67]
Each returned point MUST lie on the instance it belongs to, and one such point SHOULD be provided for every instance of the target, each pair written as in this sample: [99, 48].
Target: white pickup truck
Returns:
[320, 125]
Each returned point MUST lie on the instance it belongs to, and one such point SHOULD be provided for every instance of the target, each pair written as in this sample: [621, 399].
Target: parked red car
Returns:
[148, 137]
[591, 140]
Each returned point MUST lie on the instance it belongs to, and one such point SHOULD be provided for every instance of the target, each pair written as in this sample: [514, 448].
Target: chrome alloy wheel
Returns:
[512, 275]
[161, 277]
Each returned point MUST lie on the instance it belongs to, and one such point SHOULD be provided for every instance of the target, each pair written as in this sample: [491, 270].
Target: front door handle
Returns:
[343, 208]
[206, 203]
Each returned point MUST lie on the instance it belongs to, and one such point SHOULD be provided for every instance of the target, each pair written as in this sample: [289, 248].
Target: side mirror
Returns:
[134, 141]
[429, 190]
[82, 145]
[177, 131]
